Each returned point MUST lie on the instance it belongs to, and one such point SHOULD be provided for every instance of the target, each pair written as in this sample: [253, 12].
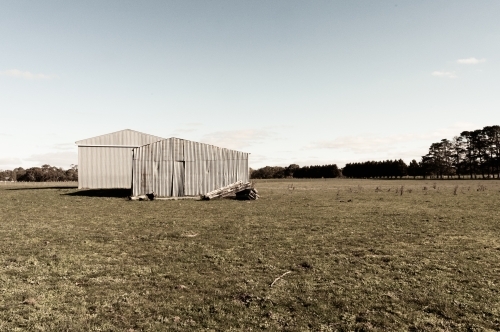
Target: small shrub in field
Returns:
[455, 190]
[434, 185]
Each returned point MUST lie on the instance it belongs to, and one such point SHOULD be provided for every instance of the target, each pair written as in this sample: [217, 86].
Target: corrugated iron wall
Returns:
[177, 167]
[104, 167]
[106, 161]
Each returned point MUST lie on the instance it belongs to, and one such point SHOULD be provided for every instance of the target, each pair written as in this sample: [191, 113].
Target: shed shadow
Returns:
[114, 193]
[42, 187]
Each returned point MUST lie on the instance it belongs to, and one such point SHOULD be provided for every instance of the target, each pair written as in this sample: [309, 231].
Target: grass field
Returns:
[361, 255]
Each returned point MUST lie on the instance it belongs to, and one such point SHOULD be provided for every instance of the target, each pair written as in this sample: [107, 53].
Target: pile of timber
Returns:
[139, 198]
[147, 197]
[240, 189]
[153, 197]
[248, 194]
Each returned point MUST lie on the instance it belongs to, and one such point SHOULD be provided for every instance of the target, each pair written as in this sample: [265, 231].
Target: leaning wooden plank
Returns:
[194, 198]
[138, 198]
[216, 191]
[228, 190]
[224, 190]
[145, 198]
[245, 186]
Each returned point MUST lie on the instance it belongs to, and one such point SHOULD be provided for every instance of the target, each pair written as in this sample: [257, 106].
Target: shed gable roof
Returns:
[181, 149]
[126, 137]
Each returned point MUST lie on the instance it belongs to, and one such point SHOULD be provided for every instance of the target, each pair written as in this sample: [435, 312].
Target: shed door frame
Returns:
[178, 178]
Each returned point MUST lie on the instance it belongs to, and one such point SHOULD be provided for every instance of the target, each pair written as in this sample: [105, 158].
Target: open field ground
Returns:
[361, 257]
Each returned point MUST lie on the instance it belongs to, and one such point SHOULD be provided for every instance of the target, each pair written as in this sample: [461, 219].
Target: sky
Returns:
[305, 82]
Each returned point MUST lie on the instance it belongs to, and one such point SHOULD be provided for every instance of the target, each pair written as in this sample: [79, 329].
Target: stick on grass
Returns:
[281, 276]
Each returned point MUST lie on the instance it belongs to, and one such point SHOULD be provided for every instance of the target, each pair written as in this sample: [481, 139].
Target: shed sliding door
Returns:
[178, 177]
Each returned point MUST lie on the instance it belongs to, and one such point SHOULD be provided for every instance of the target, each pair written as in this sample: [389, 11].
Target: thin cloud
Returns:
[259, 160]
[236, 139]
[188, 128]
[363, 144]
[448, 74]
[372, 143]
[9, 163]
[26, 75]
[65, 146]
[470, 61]
[59, 159]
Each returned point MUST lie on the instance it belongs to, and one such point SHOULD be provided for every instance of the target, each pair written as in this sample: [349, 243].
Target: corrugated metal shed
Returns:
[106, 161]
[177, 167]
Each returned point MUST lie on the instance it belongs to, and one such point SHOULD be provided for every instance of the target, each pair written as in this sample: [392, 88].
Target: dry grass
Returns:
[362, 255]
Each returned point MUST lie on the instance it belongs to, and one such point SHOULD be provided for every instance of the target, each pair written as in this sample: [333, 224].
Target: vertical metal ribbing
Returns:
[167, 175]
[135, 179]
[162, 185]
[190, 174]
[178, 179]
[106, 161]
[105, 167]
[144, 170]
[158, 167]
[176, 167]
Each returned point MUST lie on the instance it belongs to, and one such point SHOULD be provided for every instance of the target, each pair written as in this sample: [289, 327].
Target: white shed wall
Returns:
[104, 167]
[106, 161]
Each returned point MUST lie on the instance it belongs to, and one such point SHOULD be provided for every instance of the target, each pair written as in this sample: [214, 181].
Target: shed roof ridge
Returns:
[115, 132]
[187, 140]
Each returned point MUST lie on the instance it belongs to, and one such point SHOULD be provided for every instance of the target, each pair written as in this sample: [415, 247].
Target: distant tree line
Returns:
[471, 154]
[376, 169]
[295, 171]
[46, 173]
